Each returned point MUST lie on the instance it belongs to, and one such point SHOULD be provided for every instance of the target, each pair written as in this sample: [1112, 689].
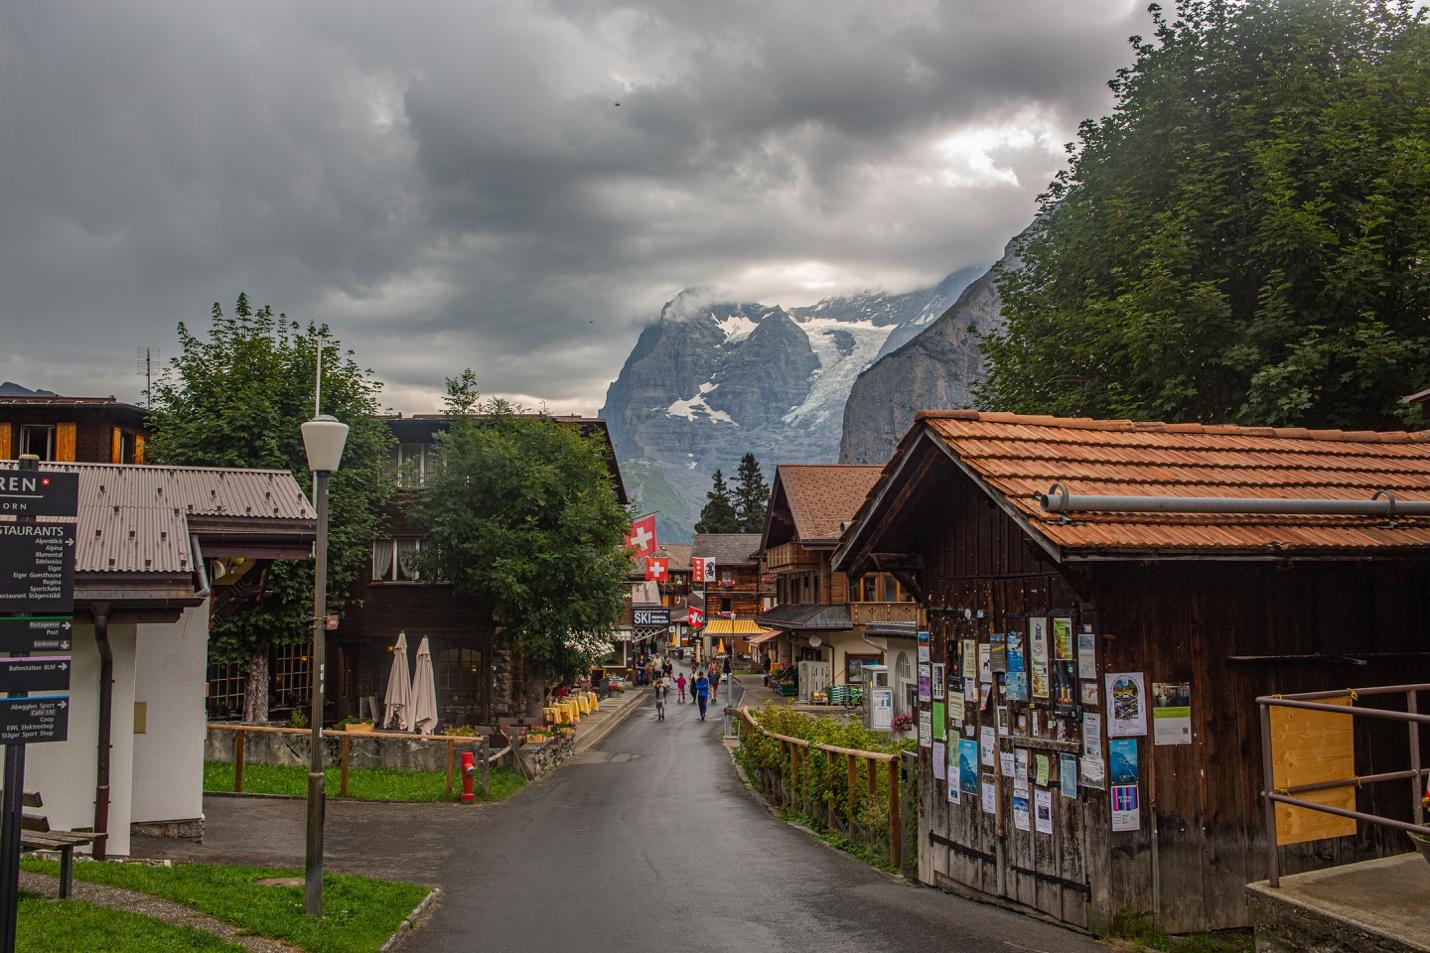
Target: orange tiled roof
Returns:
[822, 497]
[1020, 456]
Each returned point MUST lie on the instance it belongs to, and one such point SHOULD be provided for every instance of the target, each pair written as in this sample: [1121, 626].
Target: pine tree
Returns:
[719, 515]
[752, 494]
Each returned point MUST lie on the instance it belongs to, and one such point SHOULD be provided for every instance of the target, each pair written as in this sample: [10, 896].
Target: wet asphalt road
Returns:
[650, 842]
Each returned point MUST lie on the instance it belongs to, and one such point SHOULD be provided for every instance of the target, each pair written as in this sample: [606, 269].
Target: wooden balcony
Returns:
[790, 556]
[861, 613]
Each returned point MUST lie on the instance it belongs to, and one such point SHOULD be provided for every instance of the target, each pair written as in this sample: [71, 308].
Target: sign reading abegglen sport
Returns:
[36, 567]
[31, 493]
[23, 633]
[32, 719]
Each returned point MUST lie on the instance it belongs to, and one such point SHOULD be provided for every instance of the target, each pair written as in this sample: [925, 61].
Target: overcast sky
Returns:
[454, 185]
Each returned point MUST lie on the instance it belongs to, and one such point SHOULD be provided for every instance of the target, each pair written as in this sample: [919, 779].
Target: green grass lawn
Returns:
[364, 784]
[359, 914]
[46, 927]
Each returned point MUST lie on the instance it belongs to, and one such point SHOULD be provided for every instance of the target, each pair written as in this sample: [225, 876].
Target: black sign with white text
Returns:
[35, 673]
[651, 617]
[25, 721]
[27, 634]
[36, 567]
[38, 493]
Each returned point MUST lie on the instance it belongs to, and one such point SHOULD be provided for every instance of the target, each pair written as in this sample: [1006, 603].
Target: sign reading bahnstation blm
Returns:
[35, 493]
[33, 719]
[28, 633]
[35, 673]
[36, 567]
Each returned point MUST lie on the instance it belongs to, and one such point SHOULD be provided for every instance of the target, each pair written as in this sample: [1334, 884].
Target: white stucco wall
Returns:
[169, 677]
[846, 643]
[64, 772]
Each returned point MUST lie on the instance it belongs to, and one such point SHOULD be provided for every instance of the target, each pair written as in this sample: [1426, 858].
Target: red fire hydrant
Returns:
[469, 768]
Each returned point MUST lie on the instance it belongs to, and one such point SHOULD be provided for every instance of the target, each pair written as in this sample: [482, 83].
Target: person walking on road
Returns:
[661, 692]
[680, 688]
[702, 694]
[715, 685]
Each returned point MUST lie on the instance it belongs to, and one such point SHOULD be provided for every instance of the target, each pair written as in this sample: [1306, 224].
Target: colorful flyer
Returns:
[968, 766]
[1062, 639]
[940, 722]
[987, 745]
[985, 663]
[1087, 655]
[1093, 773]
[923, 652]
[938, 681]
[925, 728]
[1126, 808]
[998, 652]
[1016, 688]
[1122, 761]
[1020, 812]
[1038, 650]
[970, 660]
[940, 761]
[1067, 774]
[951, 770]
[1043, 810]
[989, 797]
[1126, 705]
[1172, 713]
[1043, 770]
[1090, 694]
[925, 682]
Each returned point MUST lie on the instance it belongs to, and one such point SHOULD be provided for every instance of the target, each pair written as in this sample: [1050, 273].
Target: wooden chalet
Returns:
[737, 594]
[821, 614]
[477, 681]
[1034, 615]
[72, 429]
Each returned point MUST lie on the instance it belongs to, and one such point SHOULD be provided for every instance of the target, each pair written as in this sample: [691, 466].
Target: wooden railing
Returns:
[864, 612]
[796, 753]
[481, 744]
[788, 555]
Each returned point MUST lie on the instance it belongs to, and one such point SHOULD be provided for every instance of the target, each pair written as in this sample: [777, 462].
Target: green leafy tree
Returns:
[1246, 238]
[719, 514]
[752, 495]
[522, 516]
[238, 399]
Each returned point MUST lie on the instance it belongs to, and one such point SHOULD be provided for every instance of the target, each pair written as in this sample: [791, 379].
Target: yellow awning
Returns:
[744, 627]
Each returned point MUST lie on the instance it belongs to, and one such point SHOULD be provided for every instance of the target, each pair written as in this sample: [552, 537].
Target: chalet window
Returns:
[395, 560]
[38, 439]
[891, 589]
[867, 585]
[854, 667]
[414, 462]
[127, 446]
[458, 676]
[725, 605]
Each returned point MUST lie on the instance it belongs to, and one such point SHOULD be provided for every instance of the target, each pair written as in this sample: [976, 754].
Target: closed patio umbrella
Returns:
[424, 691]
[397, 703]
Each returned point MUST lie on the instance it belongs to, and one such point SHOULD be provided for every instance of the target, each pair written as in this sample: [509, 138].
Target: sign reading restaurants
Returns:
[36, 567]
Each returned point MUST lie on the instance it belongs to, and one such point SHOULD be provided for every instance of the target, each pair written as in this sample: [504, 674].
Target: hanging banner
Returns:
[1126, 705]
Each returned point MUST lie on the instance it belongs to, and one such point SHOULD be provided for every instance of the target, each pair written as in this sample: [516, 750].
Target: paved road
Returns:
[649, 842]
[646, 842]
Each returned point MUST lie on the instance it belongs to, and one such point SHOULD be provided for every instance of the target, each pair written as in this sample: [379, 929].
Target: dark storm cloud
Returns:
[454, 184]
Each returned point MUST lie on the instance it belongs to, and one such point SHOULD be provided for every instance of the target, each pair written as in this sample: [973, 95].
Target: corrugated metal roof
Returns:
[134, 519]
[822, 497]
[1020, 456]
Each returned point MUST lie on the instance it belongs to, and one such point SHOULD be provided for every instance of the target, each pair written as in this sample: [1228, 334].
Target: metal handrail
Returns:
[1307, 701]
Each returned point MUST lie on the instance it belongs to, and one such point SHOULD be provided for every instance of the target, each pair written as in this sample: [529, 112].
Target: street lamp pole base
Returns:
[313, 875]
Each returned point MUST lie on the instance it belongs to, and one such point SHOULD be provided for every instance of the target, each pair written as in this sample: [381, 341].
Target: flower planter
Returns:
[1422, 844]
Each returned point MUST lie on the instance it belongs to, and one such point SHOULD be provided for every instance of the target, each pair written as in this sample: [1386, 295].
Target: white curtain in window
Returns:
[407, 559]
[382, 550]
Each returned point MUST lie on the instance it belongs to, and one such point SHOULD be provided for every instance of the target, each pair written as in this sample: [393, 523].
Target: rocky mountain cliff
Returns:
[936, 369]
[711, 380]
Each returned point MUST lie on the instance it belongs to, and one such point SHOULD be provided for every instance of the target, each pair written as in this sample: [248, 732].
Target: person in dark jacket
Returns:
[702, 694]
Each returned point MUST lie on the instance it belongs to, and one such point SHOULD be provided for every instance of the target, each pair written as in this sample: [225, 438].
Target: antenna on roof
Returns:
[147, 358]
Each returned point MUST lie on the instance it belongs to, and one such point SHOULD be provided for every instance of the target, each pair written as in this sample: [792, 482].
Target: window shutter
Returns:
[138, 448]
[64, 443]
[5, 437]
[116, 446]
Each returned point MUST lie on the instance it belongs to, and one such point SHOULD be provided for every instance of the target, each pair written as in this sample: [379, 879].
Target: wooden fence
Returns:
[480, 744]
[782, 786]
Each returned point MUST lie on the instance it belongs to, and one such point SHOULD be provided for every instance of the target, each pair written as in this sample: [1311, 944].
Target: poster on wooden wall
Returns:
[1067, 774]
[970, 660]
[1089, 694]
[968, 766]
[1038, 652]
[938, 681]
[1005, 764]
[925, 728]
[951, 770]
[1020, 771]
[1172, 713]
[998, 653]
[1020, 812]
[1122, 765]
[940, 722]
[1043, 810]
[987, 745]
[989, 798]
[1062, 639]
[1015, 686]
[985, 663]
[1126, 807]
[1087, 655]
[940, 761]
[1126, 705]
[925, 682]
[955, 707]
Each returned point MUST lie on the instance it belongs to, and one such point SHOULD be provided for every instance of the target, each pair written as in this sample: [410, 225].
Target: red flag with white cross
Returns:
[657, 568]
[641, 538]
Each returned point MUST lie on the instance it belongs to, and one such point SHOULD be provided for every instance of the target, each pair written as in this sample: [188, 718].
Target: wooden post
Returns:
[853, 790]
[343, 771]
[895, 848]
[486, 756]
[873, 767]
[794, 775]
[451, 754]
[238, 762]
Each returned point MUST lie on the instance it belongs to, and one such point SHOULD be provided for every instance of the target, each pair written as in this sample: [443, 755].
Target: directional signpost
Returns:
[36, 603]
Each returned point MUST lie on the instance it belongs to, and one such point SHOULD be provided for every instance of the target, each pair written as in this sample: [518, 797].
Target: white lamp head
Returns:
[323, 439]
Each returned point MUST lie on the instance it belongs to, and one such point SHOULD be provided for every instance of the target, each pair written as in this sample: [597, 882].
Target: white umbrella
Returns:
[397, 703]
[424, 691]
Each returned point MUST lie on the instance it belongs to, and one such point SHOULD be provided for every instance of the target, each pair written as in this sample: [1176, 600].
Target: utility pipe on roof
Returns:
[1059, 499]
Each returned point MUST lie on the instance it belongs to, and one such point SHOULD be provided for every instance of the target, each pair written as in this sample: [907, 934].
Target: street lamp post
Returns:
[323, 439]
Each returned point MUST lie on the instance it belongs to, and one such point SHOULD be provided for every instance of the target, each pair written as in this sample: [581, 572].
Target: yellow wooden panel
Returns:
[116, 446]
[64, 443]
[138, 449]
[1309, 747]
[5, 438]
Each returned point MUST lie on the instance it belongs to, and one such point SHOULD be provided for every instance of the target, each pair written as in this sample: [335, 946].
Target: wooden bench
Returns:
[35, 834]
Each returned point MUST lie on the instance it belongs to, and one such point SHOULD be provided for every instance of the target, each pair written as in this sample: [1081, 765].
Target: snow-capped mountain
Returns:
[713, 379]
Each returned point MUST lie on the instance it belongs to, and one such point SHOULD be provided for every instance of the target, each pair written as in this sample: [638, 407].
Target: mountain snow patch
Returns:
[693, 406]
[839, 364]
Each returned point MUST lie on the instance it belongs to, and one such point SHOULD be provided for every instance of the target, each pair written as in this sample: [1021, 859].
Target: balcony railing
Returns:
[789, 555]
[861, 613]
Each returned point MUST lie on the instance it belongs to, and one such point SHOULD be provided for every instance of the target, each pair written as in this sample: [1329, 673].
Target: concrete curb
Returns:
[419, 912]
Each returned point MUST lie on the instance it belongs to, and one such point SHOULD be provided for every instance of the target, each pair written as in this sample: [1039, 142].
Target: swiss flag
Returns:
[657, 568]
[694, 617]
[642, 536]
